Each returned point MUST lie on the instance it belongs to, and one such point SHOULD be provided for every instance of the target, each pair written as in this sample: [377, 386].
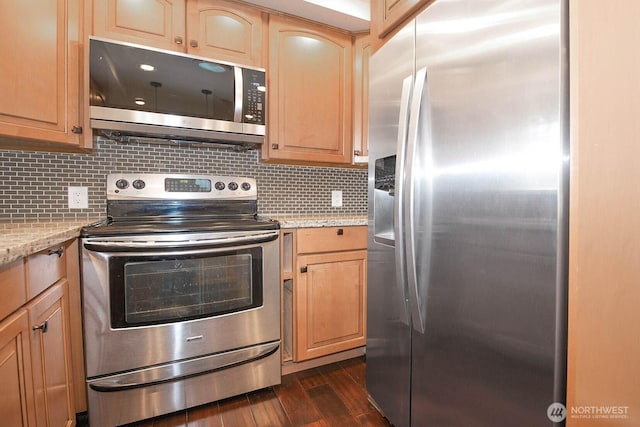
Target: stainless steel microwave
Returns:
[146, 92]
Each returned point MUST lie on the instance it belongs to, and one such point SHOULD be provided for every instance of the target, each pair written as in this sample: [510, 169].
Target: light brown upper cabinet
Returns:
[218, 29]
[362, 52]
[225, 30]
[387, 15]
[156, 23]
[309, 115]
[40, 84]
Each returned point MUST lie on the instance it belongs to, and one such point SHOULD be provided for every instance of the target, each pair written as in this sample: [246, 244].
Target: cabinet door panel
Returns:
[226, 31]
[332, 316]
[50, 351]
[15, 370]
[330, 303]
[310, 85]
[40, 70]
[362, 53]
[154, 23]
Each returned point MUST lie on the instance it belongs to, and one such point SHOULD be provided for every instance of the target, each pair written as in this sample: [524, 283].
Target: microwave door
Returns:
[143, 91]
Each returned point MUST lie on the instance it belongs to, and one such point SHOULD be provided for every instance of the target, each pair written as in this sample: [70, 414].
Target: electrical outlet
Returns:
[78, 198]
[336, 199]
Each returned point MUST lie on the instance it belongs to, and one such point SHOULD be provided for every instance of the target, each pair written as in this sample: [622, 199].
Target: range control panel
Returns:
[179, 187]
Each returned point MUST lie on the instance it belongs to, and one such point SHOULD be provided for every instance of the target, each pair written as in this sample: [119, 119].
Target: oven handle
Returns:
[97, 245]
[181, 370]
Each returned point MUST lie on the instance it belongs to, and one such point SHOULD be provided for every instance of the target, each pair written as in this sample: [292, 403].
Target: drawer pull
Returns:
[303, 269]
[44, 327]
[58, 251]
[340, 232]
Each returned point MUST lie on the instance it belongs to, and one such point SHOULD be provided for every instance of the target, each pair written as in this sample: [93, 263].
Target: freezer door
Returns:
[388, 330]
[487, 229]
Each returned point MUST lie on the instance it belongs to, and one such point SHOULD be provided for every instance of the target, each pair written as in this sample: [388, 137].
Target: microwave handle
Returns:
[237, 112]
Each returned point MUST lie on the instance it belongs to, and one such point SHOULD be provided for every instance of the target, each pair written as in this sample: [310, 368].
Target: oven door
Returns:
[151, 300]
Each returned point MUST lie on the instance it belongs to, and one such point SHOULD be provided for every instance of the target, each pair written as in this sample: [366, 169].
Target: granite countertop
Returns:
[23, 239]
[320, 221]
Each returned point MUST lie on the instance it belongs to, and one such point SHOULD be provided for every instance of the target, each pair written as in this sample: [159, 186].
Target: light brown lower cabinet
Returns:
[50, 357]
[15, 370]
[330, 303]
[36, 368]
[324, 273]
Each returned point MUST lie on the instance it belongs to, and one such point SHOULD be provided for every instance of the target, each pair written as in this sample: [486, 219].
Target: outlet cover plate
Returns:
[336, 199]
[78, 197]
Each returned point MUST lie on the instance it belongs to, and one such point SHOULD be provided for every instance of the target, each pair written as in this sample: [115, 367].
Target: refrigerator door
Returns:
[488, 229]
[388, 322]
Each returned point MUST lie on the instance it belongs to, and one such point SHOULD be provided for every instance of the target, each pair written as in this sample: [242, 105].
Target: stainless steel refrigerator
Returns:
[468, 183]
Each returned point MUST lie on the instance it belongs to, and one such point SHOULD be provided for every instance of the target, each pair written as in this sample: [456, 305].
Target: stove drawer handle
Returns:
[183, 369]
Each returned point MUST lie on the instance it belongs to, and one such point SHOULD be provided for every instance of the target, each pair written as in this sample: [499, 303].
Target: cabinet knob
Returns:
[44, 327]
[303, 269]
[76, 129]
[193, 43]
[340, 232]
[356, 152]
[274, 146]
[58, 251]
[178, 40]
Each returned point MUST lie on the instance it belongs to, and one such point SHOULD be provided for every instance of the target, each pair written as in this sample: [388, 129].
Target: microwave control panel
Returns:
[254, 96]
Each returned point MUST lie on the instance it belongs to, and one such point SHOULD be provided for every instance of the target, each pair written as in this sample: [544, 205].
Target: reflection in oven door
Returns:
[160, 321]
[152, 290]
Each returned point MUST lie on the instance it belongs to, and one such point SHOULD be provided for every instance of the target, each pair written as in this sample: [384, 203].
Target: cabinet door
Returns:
[156, 23]
[224, 30]
[330, 300]
[15, 371]
[50, 350]
[362, 52]
[309, 116]
[40, 70]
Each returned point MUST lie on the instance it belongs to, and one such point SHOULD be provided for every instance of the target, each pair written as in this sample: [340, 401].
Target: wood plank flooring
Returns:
[328, 396]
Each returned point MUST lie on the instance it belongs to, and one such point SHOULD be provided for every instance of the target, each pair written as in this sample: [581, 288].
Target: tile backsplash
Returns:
[34, 184]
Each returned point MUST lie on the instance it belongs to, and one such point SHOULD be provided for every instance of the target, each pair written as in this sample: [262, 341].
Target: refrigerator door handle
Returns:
[416, 303]
[398, 202]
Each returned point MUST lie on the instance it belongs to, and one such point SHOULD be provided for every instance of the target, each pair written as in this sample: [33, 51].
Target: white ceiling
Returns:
[322, 14]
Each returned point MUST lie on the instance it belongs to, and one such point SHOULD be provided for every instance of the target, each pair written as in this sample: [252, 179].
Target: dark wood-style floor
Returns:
[328, 396]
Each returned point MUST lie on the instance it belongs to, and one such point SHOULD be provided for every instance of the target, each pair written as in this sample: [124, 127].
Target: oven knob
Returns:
[233, 186]
[139, 184]
[219, 185]
[122, 184]
[246, 186]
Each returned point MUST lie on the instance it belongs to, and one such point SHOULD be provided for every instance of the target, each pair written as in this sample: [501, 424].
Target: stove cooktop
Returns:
[147, 203]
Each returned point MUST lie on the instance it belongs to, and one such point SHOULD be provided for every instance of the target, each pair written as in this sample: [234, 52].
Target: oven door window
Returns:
[148, 290]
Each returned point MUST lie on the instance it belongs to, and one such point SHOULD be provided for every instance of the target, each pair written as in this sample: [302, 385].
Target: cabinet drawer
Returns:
[330, 239]
[44, 269]
[12, 287]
